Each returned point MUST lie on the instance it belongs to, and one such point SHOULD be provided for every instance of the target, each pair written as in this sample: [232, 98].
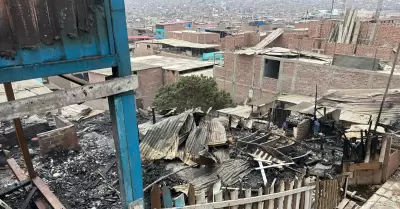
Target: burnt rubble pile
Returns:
[254, 156]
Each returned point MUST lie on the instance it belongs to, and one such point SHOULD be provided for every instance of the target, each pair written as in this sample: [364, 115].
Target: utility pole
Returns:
[387, 87]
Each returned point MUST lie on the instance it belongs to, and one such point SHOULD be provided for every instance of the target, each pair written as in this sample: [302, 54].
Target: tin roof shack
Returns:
[173, 48]
[153, 72]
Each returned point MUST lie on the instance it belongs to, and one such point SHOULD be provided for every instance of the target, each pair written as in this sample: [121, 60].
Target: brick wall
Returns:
[241, 73]
[387, 37]
[387, 33]
[62, 138]
[175, 27]
[145, 49]
[234, 42]
[150, 80]
[195, 37]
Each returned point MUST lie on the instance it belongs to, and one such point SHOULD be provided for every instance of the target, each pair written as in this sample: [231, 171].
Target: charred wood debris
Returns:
[198, 148]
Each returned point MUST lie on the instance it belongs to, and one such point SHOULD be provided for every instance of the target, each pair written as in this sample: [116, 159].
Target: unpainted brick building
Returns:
[238, 41]
[259, 76]
[375, 39]
[62, 138]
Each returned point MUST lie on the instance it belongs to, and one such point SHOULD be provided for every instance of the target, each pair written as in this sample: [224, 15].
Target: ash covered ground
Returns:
[88, 177]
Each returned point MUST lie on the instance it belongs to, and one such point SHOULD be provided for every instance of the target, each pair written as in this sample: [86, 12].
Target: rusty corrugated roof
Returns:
[162, 139]
[216, 134]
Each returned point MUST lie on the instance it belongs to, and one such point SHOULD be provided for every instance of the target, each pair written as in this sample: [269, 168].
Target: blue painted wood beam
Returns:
[25, 72]
[123, 115]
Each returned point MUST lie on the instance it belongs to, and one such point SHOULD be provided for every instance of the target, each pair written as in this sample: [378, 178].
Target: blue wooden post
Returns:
[123, 113]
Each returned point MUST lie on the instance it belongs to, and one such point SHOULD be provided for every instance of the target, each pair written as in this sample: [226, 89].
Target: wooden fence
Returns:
[327, 193]
[297, 194]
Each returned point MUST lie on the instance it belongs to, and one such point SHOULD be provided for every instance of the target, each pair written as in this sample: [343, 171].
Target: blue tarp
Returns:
[160, 33]
[212, 56]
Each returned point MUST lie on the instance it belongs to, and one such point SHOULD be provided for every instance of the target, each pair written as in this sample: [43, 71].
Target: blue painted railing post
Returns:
[123, 114]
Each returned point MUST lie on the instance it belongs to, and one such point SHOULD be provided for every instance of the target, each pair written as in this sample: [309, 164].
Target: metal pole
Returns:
[20, 134]
[387, 87]
[315, 102]
[154, 115]
[74, 79]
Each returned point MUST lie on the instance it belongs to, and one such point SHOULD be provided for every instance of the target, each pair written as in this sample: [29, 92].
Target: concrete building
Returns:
[254, 75]
[163, 28]
[153, 72]
[195, 36]
[173, 48]
[367, 39]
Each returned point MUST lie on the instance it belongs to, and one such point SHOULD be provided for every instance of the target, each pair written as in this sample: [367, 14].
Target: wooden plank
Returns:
[350, 205]
[307, 196]
[356, 32]
[368, 152]
[263, 173]
[11, 189]
[365, 166]
[388, 170]
[210, 194]
[167, 198]
[298, 195]
[234, 196]
[46, 192]
[28, 198]
[19, 173]
[260, 205]
[271, 203]
[342, 204]
[290, 197]
[302, 197]
[248, 195]
[4, 205]
[248, 200]
[273, 166]
[191, 195]
[200, 199]
[351, 28]
[218, 196]
[346, 184]
[317, 192]
[286, 199]
[281, 189]
[155, 197]
[269, 39]
[331, 203]
[266, 191]
[383, 149]
[55, 100]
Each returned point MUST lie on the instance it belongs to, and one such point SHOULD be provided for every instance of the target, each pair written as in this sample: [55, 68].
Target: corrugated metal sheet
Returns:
[162, 139]
[51, 30]
[229, 172]
[178, 136]
[222, 155]
[216, 134]
[238, 111]
[359, 104]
